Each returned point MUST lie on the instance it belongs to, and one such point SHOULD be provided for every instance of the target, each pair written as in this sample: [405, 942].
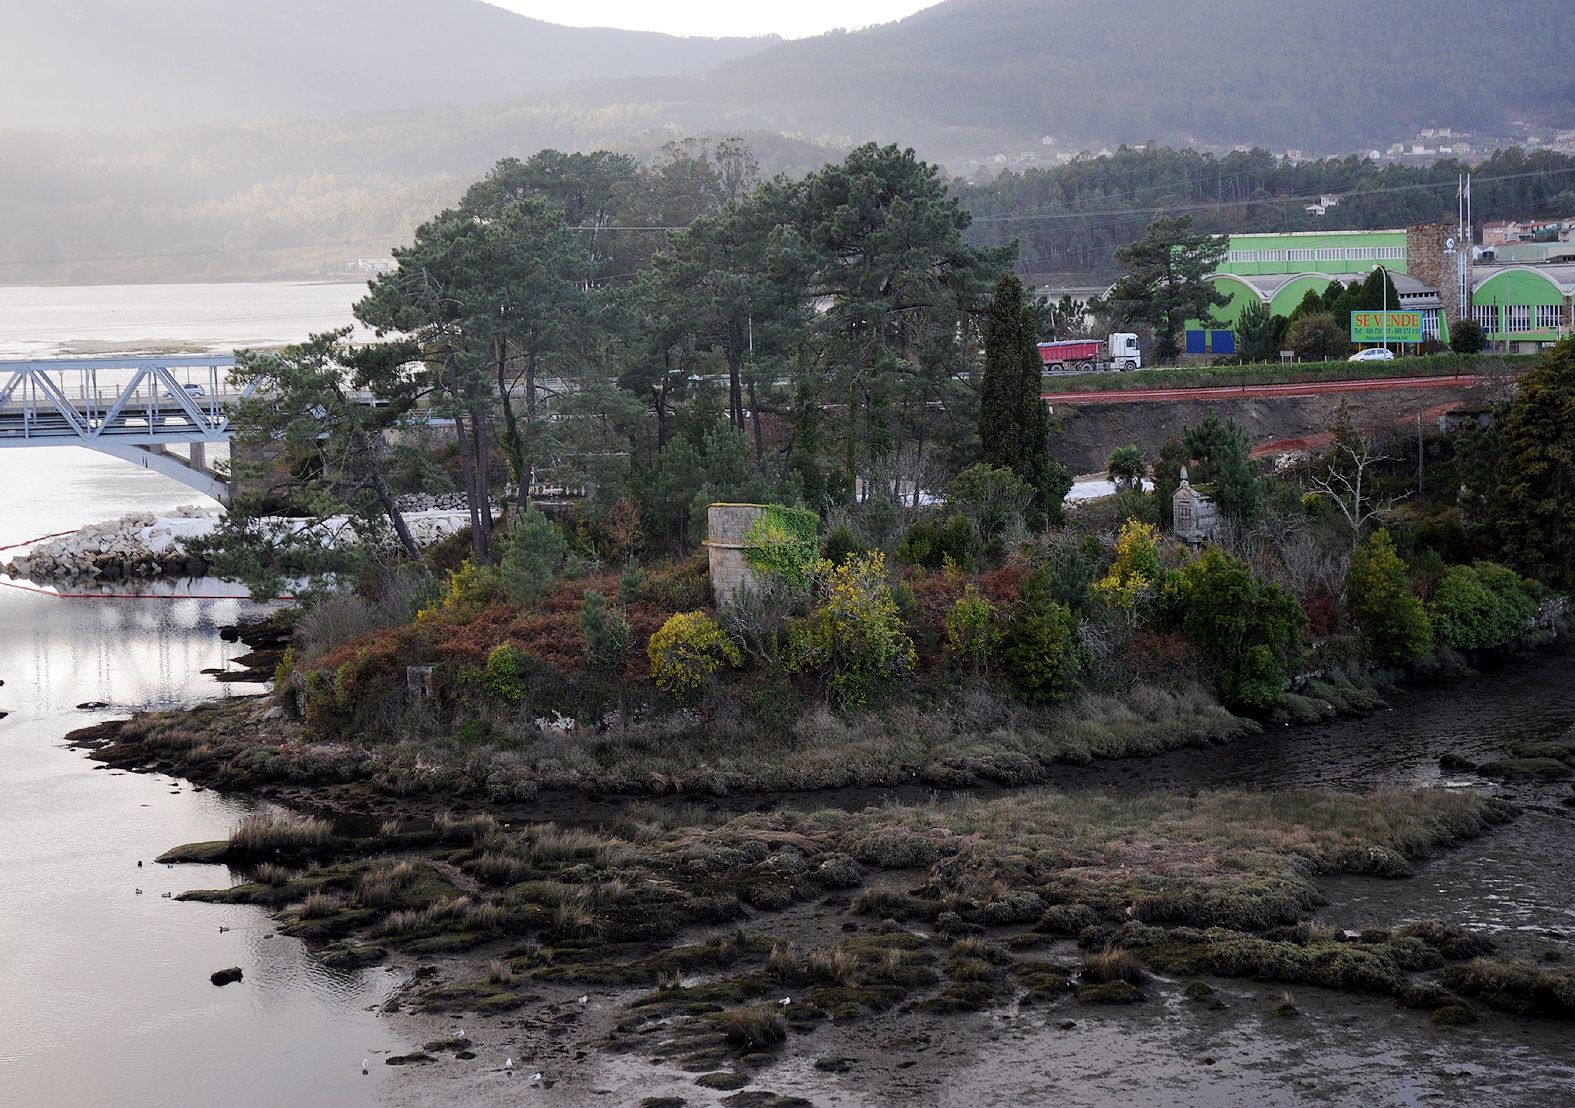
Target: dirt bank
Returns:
[1090, 430]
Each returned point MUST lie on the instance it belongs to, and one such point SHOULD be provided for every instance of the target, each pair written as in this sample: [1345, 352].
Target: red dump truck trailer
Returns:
[1118, 351]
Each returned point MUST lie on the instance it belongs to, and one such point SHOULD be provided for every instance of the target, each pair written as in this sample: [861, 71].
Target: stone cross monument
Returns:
[1193, 514]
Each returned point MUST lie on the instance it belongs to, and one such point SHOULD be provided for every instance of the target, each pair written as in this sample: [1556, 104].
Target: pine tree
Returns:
[1534, 513]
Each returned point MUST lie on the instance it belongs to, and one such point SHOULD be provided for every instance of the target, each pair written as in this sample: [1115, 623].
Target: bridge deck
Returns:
[127, 401]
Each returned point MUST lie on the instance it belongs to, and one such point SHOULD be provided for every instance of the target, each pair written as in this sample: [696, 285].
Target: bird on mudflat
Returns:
[508, 1064]
[537, 1076]
[366, 1064]
[139, 892]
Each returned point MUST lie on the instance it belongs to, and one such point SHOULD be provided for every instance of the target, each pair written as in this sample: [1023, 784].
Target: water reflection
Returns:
[104, 992]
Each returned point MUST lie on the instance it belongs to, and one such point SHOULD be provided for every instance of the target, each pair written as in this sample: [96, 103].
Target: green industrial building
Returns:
[1280, 269]
[1520, 307]
[1523, 306]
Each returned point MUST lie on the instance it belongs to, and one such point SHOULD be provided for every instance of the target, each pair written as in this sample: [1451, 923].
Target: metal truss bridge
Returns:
[132, 408]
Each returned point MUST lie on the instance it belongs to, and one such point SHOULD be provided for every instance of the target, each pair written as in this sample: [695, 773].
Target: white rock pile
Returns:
[142, 545]
[137, 545]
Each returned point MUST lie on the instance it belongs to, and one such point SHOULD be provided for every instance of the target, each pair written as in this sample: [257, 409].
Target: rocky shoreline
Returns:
[144, 546]
[138, 545]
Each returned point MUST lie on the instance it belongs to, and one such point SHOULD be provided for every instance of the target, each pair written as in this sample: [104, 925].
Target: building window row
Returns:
[1321, 254]
[1430, 323]
[1550, 317]
[1486, 316]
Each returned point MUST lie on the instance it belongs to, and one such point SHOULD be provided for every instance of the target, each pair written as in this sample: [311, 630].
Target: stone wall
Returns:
[726, 525]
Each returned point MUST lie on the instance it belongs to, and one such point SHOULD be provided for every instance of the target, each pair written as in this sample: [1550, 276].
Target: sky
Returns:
[717, 18]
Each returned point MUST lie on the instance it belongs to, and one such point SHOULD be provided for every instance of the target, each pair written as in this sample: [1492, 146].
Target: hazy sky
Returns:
[789, 18]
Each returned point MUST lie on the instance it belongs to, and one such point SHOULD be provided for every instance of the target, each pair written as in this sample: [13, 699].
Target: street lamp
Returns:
[1384, 317]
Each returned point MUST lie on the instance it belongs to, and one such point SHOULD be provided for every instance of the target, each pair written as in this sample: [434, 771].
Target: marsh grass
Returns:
[270, 874]
[383, 884]
[753, 1028]
[266, 833]
[318, 905]
[1515, 987]
[1111, 965]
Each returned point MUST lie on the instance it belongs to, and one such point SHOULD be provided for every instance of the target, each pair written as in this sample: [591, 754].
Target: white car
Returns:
[190, 389]
[1373, 354]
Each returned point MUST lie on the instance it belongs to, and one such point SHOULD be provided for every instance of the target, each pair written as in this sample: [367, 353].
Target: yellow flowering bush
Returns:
[1135, 571]
[687, 650]
[855, 635]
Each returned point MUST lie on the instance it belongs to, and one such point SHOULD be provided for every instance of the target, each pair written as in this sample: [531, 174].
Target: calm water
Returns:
[91, 319]
[104, 993]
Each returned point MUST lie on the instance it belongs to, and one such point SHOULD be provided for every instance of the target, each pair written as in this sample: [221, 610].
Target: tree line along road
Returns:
[1220, 392]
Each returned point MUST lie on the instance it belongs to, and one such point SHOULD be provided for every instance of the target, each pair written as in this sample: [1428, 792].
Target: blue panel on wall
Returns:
[1196, 342]
[1223, 342]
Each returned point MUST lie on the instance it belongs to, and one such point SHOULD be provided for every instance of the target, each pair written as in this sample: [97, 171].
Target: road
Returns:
[1236, 392]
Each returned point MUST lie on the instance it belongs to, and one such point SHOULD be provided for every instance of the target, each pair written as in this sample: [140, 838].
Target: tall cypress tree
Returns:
[1014, 423]
[1000, 393]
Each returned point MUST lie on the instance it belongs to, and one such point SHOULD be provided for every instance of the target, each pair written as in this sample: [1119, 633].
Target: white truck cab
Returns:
[1124, 352]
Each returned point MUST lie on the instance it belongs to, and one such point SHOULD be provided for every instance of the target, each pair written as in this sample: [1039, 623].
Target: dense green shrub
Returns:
[1392, 621]
[933, 541]
[970, 632]
[841, 544]
[1040, 651]
[1480, 606]
[504, 675]
[855, 634]
[606, 635]
[687, 650]
[533, 554]
[1466, 337]
[1245, 629]
[994, 499]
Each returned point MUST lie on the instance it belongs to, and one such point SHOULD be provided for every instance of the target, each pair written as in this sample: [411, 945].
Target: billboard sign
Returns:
[1386, 326]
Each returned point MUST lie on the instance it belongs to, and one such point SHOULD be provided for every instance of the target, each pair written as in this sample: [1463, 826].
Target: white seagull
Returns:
[785, 1001]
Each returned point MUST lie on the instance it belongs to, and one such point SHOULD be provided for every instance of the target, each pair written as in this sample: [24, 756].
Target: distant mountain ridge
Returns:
[1323, 75]
[169, 64]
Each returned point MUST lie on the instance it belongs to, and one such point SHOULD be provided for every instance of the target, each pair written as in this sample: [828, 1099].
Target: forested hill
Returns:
[1323, 75]
[1069, 220]
[165, 64]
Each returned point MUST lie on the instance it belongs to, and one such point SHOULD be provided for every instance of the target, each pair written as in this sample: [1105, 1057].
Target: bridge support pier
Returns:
[193, 474]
